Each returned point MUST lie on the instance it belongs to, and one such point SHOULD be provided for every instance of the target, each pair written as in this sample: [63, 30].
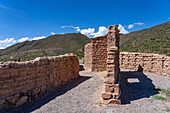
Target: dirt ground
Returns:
[140, 93]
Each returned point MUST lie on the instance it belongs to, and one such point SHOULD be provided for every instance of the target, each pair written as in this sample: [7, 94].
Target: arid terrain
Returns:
[140, 94]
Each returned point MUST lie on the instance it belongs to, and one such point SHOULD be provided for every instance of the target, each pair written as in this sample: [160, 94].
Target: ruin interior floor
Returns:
[84, 95]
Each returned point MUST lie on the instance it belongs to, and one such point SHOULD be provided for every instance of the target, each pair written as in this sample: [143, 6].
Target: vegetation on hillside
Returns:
[51, 46]
[152, 40]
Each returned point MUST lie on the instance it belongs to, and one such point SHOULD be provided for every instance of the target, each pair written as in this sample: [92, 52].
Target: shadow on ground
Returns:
[139, 86]
[33, 105]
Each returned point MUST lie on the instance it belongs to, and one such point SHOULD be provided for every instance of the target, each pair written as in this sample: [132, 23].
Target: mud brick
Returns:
[114, 101]
[106, 96]
[109, 88]
[22, 100]
[13, 100]
[2, 102]
[110, 80]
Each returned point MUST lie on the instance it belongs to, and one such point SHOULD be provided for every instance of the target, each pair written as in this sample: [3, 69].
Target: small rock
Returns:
[106, 96]
[13, 99]
[22, 100]
[2, 102]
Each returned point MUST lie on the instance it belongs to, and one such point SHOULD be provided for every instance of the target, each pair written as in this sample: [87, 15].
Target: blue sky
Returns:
[22, 20]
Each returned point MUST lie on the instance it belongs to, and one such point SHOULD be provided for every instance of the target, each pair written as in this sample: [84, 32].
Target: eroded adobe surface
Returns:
[102, 54]
[23, 81]
[112, 90]
[88, 56]
[99, 54]
[159, 64]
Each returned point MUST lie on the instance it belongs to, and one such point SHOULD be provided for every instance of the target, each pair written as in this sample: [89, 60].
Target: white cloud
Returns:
[7, 42]
[102, 31]
[122, 29]
[138, 23]
[52, 33]
[133, 25]
[87, 32]
[8, 8]
[9, 45]
[23, 39]
[38, 38]
[71, 26]
[10, 41]
[64, 26]
[130, 26]
[90, 31]
[2, 47]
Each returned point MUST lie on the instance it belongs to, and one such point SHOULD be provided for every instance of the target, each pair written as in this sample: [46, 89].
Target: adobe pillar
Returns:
[112, 91]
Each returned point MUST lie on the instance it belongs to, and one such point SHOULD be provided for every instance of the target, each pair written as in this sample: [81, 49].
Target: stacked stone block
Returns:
[159, 64]
[23, 81]
[88, 56]
[99, 54]
[112, 92]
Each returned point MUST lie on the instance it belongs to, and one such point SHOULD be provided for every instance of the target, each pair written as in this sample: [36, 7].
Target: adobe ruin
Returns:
[21, 82]
[102, 54]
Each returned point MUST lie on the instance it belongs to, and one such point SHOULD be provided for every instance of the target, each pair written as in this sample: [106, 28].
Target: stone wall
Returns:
[159, 64]
[23, 81]
[99, 54]
[111, 95]
[88, 56]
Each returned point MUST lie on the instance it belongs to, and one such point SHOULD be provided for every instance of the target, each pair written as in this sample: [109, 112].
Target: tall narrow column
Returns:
[112, 92]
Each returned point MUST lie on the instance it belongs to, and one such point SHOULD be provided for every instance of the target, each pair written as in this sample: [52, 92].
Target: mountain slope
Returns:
[152, 40]
[50, 46]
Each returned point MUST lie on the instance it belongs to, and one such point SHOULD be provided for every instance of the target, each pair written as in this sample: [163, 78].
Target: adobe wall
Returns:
[23, 81]
[111, 94]
[159, 64]
[88, 56]
[99, 54]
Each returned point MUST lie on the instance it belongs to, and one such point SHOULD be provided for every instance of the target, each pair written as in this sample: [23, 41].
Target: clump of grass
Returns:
[167, 92]
[155, 109]
[167, 109]
[158, 97]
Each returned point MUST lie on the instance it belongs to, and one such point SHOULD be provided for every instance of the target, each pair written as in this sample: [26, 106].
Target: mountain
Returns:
[50, 46]
[152, 40]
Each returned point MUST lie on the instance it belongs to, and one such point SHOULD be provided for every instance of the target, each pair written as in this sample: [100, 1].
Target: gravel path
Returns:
[83, 95]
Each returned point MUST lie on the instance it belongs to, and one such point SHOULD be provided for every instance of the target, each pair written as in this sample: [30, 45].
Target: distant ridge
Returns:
[51, 46]
[152, 40]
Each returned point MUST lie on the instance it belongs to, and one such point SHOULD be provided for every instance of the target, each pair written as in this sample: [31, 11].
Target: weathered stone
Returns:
[114, 101]
[155, 63]
[106, 96]
[31, 77]
[112, 66]
[88, 56]
[109, 89]
[2, 102]
[13, 99]
[110, 80]
[22, 100]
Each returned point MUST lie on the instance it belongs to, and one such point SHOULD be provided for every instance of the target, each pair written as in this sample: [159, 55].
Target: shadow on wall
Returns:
[33, 105]
[135, 85]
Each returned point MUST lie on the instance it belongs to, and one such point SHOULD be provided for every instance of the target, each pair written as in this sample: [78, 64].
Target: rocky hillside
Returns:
[51, 46]
[152, 40]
